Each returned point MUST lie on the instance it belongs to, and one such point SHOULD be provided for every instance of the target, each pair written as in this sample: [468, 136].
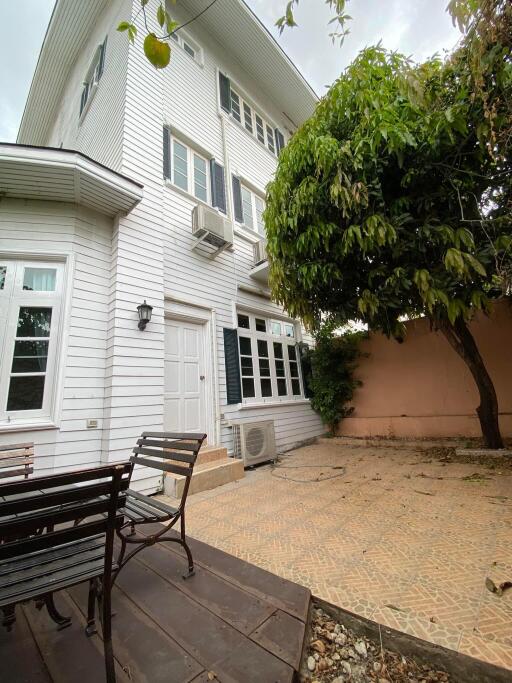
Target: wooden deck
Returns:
[231, 619]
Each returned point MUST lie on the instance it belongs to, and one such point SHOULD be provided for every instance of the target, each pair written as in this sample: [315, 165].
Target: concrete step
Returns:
[206, 476]
[211, 454]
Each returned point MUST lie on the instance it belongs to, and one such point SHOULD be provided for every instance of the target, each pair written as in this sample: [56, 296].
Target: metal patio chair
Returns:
[171, 452]
[41, 552]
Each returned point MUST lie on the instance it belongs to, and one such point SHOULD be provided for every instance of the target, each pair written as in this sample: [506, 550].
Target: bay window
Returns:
[30, 302]
[269, 359]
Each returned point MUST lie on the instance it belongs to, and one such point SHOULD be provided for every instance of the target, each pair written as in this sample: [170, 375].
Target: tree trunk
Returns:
[460, 338]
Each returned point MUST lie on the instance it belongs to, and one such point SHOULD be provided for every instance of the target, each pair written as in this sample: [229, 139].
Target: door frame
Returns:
[204, 317]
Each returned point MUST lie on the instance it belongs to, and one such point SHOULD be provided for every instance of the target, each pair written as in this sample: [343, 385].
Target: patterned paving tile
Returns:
[486, 650]
[410, 623]
[495, 618]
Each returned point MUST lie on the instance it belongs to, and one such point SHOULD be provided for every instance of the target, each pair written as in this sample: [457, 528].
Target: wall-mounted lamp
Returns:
[144, 311]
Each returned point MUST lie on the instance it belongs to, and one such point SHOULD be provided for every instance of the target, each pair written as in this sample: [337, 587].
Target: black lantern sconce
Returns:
[144, 311]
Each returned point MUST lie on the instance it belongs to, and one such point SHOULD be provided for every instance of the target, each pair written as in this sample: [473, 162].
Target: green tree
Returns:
[394, 200]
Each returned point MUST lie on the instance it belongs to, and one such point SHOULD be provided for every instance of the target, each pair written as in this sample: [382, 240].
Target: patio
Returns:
[231, 622]
[396, 534]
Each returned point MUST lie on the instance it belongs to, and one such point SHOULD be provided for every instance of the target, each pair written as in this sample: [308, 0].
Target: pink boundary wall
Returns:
[421, 388]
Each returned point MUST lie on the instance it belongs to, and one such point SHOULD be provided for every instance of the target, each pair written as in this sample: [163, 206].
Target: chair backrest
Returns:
[51, 504]
[169, 452]
[16, 460]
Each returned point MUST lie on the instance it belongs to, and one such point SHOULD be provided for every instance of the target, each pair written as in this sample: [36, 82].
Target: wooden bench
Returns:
[35, 563]
[16, 460]
[168, 452]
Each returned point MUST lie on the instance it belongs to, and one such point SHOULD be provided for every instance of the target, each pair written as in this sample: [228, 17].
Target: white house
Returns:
[96, 204]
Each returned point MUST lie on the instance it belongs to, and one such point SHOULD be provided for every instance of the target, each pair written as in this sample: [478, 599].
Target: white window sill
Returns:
[29, 426]
[274, 404]
[168, 183]
[247, 234]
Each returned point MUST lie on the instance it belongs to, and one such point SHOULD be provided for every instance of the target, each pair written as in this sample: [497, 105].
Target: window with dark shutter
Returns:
[237, 200]
[101, 63]
[279, 140]
[225, 92]
[218, 185]
[233, 384]
[167, 152]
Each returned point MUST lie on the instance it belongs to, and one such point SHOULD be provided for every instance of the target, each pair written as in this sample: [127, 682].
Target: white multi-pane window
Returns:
[189, 170]
[30, 303]
[92, 77]
[189, 47]
[269, 360]
[253, 207]
[253, 122]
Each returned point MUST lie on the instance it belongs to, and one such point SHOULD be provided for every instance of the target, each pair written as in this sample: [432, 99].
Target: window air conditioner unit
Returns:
[254, 442]
[260, 252]
[210, 226]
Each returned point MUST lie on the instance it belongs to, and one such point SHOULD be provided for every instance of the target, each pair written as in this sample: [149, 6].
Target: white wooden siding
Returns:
[99, 133]
[56, 228]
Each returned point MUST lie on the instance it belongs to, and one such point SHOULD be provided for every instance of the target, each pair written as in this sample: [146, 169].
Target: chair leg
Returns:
[107, 631]
[55, 615]
[91, 629]
[191, 570]
[9, 617]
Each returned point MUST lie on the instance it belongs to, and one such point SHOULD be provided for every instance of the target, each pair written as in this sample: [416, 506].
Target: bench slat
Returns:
[151, 501]
[166, 455]
[16, 473]
[163, 466]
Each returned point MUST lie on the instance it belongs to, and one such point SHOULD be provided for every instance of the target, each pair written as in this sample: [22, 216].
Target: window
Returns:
[270, 140]
[269, 362]
[93, 76]
[188, 46]
[190, 171]
[235, 106]
[253, 207]
[260, 131]
[248, 117]
[30, 299]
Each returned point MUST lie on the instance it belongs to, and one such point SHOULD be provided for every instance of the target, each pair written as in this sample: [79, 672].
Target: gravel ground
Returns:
[337, 655]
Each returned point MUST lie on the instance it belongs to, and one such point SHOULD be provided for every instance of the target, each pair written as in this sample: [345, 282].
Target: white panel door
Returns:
[184, 385]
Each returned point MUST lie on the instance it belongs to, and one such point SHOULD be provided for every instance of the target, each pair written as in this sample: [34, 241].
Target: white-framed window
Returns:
[190, 170]
[269, 362]
[190, 47]
[30, 309]
[253, 207]
[92, 77]
[254, 123]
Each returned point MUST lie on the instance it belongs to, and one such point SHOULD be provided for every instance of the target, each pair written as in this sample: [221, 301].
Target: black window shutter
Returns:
[218, 185]
[237, 200]
[101, 64]
[167, 152]
[225, 92]
[279, 140]
[233, 384]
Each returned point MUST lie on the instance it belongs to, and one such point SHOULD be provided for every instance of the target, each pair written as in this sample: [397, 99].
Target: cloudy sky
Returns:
[416, 27]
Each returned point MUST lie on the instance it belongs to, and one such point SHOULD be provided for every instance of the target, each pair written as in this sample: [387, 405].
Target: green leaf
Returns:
[144, 2]
[475, 263]
[158, 52]
[160, 15]
[124, 26]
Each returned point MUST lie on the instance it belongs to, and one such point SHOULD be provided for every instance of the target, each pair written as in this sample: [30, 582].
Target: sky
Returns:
[418, 28]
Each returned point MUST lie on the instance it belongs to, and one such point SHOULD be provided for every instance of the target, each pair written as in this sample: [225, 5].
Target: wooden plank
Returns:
[252, 664]
[141, 647]
[243, 611]
[20, 659]
[284, 594]
[69, 655]
[16, 447]
[282, 635]
[205, 636]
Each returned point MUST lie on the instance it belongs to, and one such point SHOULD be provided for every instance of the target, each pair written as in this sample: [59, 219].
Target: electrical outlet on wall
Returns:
[92, 424]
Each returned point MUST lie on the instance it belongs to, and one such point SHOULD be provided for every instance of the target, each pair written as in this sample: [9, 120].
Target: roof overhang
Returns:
[63, 175]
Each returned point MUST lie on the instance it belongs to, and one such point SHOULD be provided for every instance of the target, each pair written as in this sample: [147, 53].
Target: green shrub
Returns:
[329, 374]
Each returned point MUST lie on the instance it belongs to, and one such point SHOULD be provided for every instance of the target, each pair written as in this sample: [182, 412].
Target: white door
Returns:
[184, 384]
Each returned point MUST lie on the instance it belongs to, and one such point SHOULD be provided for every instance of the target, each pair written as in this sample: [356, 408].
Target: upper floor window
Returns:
[30, 303]
[248, 206]
[189, 170]
[269, 360]
[93, 76]
[189, 46]
[243, 112]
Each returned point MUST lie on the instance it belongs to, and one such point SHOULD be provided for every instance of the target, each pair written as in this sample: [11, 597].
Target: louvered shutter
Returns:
[225, 92]
[237, 200]
[218, 184]
[233, 383]
[279, 140]
[101, 63]
[167, 152]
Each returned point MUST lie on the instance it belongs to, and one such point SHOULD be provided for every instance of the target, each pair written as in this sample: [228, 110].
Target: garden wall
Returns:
[422, 388]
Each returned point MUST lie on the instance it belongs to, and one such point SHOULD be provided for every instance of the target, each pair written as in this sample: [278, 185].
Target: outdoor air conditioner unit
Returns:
[254, 442]
[211, 227]
[259, 252]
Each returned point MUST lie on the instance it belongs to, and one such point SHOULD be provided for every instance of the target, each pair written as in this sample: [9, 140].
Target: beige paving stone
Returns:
[394, 535]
